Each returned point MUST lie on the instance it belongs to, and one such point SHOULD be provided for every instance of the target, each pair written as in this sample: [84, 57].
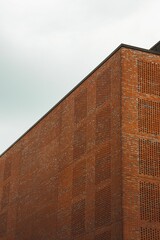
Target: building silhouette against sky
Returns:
[90, 168]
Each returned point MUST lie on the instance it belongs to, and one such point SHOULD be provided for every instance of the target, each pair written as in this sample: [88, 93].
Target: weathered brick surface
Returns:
[90, 168]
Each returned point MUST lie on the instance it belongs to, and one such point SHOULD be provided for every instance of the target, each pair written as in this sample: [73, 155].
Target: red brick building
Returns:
[90, 168]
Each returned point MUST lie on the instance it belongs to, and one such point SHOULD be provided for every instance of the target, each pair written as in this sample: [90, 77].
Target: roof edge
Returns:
[153, 48]
[122, 45]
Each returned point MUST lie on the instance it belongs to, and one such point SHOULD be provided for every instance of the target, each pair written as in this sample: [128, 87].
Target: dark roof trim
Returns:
[119, 47]
[156, 47]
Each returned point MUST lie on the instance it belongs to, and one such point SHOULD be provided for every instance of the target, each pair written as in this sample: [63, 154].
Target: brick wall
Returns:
[62, 180]
[141, 145]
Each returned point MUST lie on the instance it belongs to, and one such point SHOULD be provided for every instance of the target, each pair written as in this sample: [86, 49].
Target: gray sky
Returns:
[48, 46]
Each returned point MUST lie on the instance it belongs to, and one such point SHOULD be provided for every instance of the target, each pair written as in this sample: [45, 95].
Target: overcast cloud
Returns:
[48, 46]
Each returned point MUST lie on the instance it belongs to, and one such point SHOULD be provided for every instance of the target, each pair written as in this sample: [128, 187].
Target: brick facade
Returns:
[141, 145]
[90, 168]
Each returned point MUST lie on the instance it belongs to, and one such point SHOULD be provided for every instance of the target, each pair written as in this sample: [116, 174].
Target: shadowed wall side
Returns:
[62, 180]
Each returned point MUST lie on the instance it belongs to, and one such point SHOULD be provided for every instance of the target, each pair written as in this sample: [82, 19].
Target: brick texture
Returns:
[140, 145]
[90, 168]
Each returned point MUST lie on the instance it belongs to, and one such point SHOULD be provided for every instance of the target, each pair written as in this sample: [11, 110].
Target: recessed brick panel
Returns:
[104, 236]
[149, 157]
[103, 87]
[103, 124]
[149, 201]
[79, 178]
[78, 218]
[56, 125]
[65, 158]
[103, 163]
[80, 106]
[149, 77]
[64, 224]
[80, 142]
[150, 233]
[149, 116]
[65, 180]
[7, 169]
[103, 207]
[3, 224]
[5, 195]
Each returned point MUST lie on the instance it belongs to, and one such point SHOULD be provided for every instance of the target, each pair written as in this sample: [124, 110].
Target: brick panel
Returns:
[78, 218]
[103, 207]
[149, 201]
[150, 233]
[5, 195]
[64, 224]
[80, 142]
[79, 178]
[103, 87]
[149, 157]
[65, 158]
[149, 77]
[103, 164]
[80, 106]
[3, 224]
[103, 124]
[104, 236]
[148, 116]
[7, 168]
[65, 180]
